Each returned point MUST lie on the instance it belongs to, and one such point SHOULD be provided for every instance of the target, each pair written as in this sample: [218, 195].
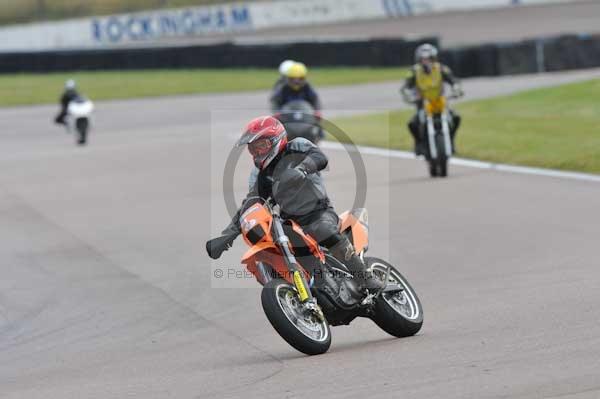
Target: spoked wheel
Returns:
[300, 328]
[398, 313]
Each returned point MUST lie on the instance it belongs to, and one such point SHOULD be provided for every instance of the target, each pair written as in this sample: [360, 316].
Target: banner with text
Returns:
[172, 25]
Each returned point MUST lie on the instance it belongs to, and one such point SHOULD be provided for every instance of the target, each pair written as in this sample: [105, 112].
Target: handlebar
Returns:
[411, 96]
[457, 93]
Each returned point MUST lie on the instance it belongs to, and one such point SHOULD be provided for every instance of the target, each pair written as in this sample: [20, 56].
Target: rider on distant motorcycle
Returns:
[296, 87]
[70, 94]
[427, 80]
[289, 174]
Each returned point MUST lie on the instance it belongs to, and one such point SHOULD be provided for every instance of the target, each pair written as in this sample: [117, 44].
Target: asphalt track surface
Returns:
[454, 28]
[106, 290]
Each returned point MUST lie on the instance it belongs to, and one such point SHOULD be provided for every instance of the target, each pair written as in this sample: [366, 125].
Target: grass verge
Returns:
[29, 89]
[555, 128]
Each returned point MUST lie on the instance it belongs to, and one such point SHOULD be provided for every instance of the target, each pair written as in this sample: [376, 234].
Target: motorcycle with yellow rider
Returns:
[434, 125]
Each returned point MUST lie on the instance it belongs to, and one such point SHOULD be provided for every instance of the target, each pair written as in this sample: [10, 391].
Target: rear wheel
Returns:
[298, 327]
[398, 313]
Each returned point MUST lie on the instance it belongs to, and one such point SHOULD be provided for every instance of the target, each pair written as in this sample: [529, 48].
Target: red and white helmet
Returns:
[266, 138]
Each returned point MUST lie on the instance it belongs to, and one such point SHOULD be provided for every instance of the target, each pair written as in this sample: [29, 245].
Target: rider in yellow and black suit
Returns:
[427, 82]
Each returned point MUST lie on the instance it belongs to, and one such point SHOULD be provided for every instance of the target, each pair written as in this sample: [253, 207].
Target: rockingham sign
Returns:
[170, 23]
[156, 27]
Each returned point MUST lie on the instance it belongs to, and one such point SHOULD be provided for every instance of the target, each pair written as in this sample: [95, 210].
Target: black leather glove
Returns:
[217, 246]
[457, 90]
[307, 166]
[292, 175]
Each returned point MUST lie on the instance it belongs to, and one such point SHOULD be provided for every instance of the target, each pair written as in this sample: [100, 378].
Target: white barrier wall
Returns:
[307, 12]
[152, 27]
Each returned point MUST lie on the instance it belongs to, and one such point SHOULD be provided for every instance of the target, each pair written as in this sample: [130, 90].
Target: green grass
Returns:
[556, 128]
[28, 89]
[18, 11]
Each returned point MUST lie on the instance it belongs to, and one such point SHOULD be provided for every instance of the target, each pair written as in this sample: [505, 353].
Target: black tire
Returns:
[385, 315]
[442, 161]
[433, 170]
[82, 125]
[444, 167]
[285, 327]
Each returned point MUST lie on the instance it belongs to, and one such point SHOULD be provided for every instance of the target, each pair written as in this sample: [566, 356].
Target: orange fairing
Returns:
[356, 222]
[313, 246]
[268, 253]
[255, 224]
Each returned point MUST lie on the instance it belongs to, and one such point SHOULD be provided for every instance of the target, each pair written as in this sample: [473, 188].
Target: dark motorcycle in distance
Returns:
[300, 120]
[306, 290]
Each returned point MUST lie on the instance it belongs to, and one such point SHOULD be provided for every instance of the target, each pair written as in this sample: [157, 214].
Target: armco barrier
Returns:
[384, 52]
[571, 52]
[516, 58]
[530, 56]
[472, 61]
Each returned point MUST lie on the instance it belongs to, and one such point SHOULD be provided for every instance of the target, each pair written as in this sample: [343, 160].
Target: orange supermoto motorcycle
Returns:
[306, 290]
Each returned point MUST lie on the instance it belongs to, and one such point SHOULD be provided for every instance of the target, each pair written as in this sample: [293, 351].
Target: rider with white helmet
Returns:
[284, 67]
[70, 94]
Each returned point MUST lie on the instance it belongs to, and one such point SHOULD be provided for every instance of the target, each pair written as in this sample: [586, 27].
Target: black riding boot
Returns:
[455, 125]
[344, 252]
[414, 128]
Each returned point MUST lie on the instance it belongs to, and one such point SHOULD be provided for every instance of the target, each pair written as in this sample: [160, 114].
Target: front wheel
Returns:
[301, 329]
[433, 169]
[442, 161]
[443, 165]
[82, 125]
[398, 313]
[438, 167]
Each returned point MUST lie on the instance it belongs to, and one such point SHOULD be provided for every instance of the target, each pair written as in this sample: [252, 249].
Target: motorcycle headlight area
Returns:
[255, 234]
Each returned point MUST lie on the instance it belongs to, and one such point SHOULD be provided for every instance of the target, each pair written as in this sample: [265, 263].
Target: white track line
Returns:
[469, 163]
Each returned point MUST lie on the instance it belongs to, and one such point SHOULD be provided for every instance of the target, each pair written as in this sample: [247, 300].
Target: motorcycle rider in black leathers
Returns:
[70, 94]
[289, 173]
